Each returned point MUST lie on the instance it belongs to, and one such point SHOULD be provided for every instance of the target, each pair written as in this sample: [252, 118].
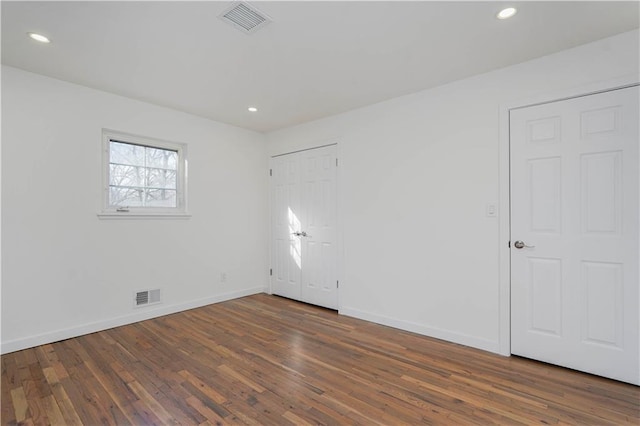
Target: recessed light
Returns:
[252, 109]
[39, 37]
[506, 13]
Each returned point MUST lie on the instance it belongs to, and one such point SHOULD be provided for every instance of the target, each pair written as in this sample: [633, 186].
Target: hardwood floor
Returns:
[271, 361]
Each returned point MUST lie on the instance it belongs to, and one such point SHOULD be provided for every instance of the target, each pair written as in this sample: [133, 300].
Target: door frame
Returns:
[339, 234]
[504, 219]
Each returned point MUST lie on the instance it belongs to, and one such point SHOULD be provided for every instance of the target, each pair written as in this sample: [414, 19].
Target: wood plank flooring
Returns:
[265, 360]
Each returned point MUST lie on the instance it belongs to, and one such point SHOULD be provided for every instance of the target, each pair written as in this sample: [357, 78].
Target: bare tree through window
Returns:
[142, 176]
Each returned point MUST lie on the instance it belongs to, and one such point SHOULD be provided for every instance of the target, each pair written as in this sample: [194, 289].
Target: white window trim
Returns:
[111, 212]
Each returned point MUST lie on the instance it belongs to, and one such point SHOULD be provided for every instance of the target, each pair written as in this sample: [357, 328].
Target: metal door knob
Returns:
[520, 244]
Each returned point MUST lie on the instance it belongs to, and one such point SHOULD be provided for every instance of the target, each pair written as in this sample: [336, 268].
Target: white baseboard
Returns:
[57, 335]
[438, 333]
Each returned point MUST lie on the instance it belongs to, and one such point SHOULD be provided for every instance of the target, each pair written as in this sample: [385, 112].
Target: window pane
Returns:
[120, 175]
[161, 198]
[161, 178]
[126, 197]
[161, 158]
[126, 153]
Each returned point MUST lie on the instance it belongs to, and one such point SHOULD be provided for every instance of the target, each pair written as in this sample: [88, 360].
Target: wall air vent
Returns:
[146, 297]
[244, 17]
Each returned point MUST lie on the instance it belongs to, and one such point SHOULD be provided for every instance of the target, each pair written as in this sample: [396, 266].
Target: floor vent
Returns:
[147, 297]
[245, 17]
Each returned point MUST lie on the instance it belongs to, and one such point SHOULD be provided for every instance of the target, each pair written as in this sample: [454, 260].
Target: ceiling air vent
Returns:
[245, 17]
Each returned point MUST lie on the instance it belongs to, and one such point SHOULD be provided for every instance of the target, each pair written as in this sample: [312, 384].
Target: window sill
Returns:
[142, 215]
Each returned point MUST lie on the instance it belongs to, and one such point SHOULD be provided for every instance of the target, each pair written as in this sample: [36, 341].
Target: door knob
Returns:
[520, 244]
[304, 234]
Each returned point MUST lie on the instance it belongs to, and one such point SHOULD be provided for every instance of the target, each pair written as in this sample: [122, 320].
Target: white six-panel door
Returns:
[574, 207]
[304, 252]
[285, 219]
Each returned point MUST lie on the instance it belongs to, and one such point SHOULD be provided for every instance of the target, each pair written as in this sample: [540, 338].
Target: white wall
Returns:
[416, 173]
[415, 177]
[66, 272]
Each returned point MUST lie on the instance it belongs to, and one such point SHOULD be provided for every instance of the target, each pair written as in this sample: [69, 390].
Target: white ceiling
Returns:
[315, 59]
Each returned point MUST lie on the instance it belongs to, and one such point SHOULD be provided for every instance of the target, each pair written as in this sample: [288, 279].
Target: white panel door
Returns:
[574, 233]
[285, 217]
[304, 218]
[318, 196]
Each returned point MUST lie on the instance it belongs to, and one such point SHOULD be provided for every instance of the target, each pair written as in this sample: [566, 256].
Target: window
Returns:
[143, 176]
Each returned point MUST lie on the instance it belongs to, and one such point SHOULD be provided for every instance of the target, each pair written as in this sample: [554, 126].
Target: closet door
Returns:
[286, 248]
[304, 226]
[318, 239]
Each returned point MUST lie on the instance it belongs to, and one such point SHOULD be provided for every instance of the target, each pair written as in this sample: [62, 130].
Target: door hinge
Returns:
[336, 162]
[270, 271]
[270, 172]
[509, 244]
[337, 284]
